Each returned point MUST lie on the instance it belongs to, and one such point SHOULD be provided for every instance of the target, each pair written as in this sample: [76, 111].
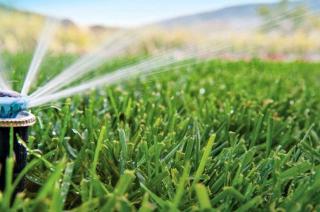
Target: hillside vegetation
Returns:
[20, 30]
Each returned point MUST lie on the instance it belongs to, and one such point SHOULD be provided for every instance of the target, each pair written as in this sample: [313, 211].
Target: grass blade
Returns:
[181, 185]
[205, 156]
[203, 197]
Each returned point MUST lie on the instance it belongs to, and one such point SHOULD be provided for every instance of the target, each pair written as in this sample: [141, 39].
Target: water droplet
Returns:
[202, 91]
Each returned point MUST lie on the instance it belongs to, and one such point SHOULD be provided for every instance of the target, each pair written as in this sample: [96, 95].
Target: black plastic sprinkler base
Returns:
[20, 155]
[20, 126]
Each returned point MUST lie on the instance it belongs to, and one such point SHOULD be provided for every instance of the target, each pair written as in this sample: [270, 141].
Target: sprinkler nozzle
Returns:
[11, 104]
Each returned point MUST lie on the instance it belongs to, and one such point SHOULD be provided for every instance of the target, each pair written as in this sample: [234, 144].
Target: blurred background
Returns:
[276, 30]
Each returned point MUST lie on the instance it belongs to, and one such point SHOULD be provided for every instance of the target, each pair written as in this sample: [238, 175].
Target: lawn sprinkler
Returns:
[13, 115]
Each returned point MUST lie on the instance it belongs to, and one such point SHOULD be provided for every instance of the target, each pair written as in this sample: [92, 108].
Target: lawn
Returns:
[224, 135]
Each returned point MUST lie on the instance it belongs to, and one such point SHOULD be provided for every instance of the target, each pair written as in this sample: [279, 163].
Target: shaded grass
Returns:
[228, 135]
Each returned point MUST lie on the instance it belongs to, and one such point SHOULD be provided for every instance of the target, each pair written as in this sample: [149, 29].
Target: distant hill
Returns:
[243, 14]
[227, 14]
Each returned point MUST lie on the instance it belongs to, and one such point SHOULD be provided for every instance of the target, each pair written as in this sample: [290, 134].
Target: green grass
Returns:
[223, 135]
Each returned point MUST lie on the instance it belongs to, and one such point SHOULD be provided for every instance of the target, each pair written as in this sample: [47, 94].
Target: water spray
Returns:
[14, 123]
[42, 47]
[4, 83]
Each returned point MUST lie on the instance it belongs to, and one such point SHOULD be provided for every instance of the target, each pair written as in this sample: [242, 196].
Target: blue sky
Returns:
[122, 13]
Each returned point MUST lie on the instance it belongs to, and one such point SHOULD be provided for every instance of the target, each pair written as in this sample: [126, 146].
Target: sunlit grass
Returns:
[226, 135]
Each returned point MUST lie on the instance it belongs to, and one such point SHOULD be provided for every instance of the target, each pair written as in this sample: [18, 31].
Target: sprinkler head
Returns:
[13, 114]
[11, 104]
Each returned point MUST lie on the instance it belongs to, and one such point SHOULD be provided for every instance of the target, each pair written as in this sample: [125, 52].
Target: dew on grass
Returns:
[202, 91]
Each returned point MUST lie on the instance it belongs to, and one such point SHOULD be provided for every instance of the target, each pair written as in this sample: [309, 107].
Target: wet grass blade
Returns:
[52, 180]
[66, 181]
